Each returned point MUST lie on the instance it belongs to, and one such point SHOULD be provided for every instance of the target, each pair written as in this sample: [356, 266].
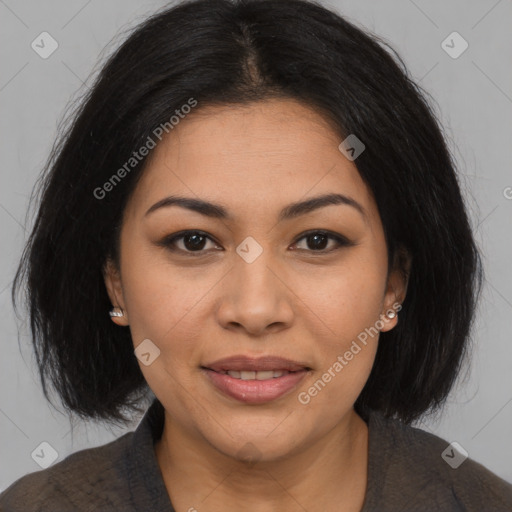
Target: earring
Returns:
[113, 312]
[390, 314]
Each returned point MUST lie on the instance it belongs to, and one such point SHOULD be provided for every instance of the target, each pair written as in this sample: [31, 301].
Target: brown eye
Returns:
[187, 242]
[317, 241]
[194, 243]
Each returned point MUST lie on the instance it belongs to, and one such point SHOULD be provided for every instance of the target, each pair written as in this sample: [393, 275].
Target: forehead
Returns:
[251, 156]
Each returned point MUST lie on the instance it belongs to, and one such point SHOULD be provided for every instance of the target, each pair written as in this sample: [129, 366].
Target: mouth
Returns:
[242, 363]
[255, 380]
[254, 375]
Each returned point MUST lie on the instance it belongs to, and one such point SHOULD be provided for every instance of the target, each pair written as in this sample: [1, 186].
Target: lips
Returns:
[241, 363]
[253, 375]
[254, 391]
[255, 380]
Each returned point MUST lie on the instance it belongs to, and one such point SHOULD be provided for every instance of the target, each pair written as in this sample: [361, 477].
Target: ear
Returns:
[396, 288]
[113, 284]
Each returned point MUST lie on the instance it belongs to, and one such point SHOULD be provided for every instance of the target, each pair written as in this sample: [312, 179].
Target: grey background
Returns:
[474, 101]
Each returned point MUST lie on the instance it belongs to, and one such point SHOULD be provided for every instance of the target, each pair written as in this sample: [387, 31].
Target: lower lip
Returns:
[255, 391]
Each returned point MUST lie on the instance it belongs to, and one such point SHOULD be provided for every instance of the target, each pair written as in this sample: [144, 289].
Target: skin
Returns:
[294, 301]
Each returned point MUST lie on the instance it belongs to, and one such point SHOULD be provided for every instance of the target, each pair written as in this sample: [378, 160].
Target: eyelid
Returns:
[169, 240]
[343, 240]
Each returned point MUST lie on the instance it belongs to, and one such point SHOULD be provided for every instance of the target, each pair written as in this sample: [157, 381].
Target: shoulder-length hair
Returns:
[236, 52]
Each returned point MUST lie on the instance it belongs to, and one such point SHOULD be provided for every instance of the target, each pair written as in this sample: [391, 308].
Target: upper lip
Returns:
[242, 362]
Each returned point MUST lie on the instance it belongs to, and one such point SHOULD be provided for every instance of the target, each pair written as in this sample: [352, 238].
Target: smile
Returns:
[254, 387]
[253, 375]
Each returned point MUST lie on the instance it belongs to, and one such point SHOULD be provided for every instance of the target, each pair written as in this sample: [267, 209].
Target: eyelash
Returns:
[169, 241]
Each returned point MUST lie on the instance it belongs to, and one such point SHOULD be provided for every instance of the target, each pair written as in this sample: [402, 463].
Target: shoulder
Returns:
[90, 479]
[432, 472]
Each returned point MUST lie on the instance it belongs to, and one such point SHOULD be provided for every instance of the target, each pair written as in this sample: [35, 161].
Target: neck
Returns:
[329, 474]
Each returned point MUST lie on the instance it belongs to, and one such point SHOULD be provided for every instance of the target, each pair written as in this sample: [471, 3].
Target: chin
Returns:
[247, 446]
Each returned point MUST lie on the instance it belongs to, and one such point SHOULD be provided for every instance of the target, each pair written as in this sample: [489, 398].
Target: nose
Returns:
[256, 297]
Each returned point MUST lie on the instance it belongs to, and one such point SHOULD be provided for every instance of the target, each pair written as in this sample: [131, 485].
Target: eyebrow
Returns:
[291, 211]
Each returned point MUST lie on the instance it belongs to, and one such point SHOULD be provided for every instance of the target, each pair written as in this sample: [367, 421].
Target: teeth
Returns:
[269, 374]
[262, 375]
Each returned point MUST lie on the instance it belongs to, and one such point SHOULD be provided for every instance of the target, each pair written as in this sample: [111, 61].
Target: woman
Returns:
[254, 222]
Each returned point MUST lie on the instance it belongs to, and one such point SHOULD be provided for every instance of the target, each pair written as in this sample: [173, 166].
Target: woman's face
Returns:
[257, 282]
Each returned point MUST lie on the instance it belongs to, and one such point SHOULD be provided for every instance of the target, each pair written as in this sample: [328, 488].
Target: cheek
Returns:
[165, 309]
[346, 344]
[159, 297]
[345, 312]
[332, 391]
[166, 306]
[346, 299]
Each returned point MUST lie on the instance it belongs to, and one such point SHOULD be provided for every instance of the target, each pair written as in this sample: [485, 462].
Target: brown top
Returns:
[409, 470]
